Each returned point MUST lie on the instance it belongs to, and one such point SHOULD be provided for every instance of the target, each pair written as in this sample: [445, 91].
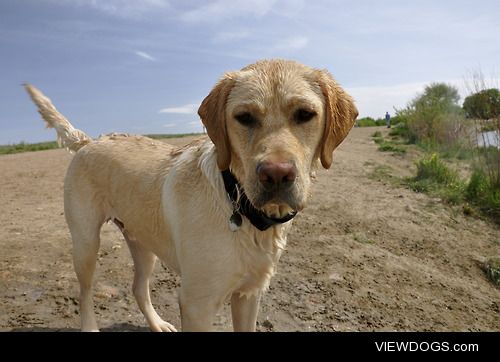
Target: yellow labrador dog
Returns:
[216, 211]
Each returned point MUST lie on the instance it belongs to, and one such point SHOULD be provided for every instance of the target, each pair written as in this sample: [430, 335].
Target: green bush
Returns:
[27, 147]
[397, 119]
[488, 126]
[401, 130]
[433, 176]
[492, 269]
[484, 194]
[371, 122]
[483, 105]
[386, 146]
[478, 186]
[366, 122]
[159, 136]
[431, 167]
[434, 116]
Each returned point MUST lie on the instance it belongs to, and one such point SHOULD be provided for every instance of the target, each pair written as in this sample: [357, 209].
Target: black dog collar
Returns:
[244, 207]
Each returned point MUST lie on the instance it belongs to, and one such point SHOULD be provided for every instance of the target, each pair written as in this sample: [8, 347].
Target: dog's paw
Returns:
[162, 326]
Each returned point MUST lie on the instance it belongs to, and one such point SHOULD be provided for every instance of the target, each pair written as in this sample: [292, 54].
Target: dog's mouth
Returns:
[277, 211]
[277, 206]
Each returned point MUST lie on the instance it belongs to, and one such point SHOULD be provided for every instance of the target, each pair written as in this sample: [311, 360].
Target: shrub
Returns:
[484, 194]
[401, 130]
[433, 116]
[478, 185]
[397, 119]
[431, 167]
[492, 269]
[434, 177]
[366, 122]
[484, 104]
[386, 146]
[27, 147]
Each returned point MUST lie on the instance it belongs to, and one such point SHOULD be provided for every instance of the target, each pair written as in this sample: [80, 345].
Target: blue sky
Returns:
[144, 66]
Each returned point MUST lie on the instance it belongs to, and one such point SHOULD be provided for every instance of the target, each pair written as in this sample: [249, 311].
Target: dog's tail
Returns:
[67, 136]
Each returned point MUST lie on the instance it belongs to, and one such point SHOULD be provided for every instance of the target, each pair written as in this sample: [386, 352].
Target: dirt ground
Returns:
[365, 255]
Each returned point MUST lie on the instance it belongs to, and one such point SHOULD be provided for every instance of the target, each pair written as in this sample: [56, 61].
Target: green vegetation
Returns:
[476, 194]
[42, 146]
[436, 123]
[401, 130]
[371, 122]
[488, 126]
[432, 168]
[386, 174]
[433, 117]
[434, 177]
[483, 189]
[484, 104]
[368, 122]
[492, 269]
[482, 193]
[163, 136]
[389, 146]
[27, 147]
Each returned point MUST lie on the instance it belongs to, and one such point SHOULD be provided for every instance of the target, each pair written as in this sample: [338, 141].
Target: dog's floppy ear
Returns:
[213, 115]
[340, 114]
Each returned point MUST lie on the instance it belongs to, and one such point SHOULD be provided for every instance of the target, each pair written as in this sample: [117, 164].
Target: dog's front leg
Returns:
[197, 313]
[244, 311]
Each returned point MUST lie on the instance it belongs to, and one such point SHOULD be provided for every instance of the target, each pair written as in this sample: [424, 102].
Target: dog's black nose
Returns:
[276, 174]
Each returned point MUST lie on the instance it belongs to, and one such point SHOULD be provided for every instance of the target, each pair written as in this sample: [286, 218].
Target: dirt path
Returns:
[365, 255]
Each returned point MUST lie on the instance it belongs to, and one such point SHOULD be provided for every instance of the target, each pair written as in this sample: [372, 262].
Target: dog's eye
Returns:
[303, 115]
[246, 119]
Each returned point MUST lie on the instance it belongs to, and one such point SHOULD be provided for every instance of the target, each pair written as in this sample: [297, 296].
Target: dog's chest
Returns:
[259, 256]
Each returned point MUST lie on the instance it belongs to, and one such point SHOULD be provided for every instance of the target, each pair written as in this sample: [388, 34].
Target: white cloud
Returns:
[195, 123]
[219, 10]
[145, 55]
[225, 37]
[119, 8]
[191, 108]
[288, 8]
[292, 44]
[169, 125]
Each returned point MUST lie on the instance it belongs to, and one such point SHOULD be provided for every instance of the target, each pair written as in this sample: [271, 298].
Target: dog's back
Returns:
[122, 176]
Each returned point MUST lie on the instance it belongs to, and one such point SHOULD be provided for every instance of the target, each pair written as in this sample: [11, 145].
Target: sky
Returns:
[144, 66]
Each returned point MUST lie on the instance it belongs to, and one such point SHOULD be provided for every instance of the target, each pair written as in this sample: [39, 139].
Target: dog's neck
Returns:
[243, 206]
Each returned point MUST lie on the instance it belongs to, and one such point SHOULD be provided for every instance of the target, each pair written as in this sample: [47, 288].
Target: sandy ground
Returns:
[364, 255]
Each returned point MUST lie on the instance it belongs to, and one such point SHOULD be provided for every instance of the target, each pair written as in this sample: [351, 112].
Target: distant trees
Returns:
[438, 97]
[484, 104]
[434, 116]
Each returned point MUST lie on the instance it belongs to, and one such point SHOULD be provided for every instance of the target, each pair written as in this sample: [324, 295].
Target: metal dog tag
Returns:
[235, 221]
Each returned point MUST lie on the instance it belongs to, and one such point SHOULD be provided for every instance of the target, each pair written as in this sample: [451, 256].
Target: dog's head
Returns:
[271, 123]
